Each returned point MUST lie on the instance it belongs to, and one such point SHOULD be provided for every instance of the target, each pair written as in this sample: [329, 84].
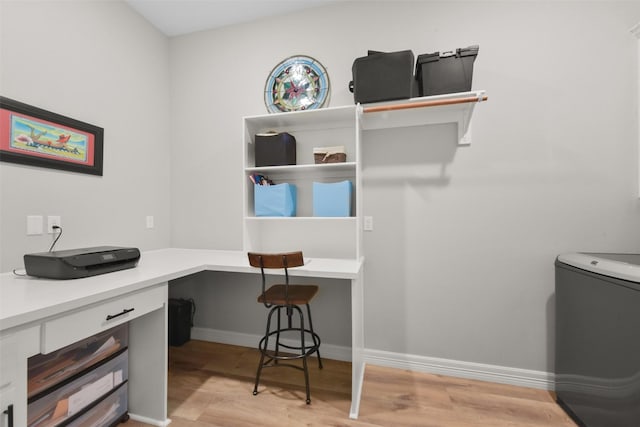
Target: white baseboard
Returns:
[150, 421]
[455, 368]
[433, 365]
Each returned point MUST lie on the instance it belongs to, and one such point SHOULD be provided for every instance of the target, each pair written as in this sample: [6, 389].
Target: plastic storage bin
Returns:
[61, 404]
[275, 149]
[383, 77]
[110, 411]
[332, 199]
[47, 370]
[448, 72]
[275, 200]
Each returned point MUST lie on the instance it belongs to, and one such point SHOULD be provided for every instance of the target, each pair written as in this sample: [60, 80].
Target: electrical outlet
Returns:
[51, 221]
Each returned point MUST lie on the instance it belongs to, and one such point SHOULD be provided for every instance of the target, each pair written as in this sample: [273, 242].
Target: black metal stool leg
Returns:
[316, 341]
[263, 350]
[306, 379]
[275, 360]
[303, 351]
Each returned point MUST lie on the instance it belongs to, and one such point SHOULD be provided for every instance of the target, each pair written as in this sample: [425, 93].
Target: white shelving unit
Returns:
[333, 237]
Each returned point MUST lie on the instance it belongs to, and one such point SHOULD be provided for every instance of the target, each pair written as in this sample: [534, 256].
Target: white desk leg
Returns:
[148, 367]
[357, 343]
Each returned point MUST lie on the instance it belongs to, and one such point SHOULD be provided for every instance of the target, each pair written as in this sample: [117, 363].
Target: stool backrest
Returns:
[276, 260]
[282, 261]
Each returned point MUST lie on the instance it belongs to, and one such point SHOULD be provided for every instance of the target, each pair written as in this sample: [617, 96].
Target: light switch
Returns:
[149, 221]
[368, 223]
[34, 225]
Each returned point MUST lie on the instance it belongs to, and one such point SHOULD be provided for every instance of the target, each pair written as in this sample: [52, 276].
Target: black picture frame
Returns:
[79, 147]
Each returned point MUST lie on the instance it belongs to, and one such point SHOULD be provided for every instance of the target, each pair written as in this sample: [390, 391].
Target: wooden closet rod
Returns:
[433, 103]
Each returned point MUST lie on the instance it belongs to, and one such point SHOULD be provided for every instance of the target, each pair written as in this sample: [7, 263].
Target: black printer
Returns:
[76, 263]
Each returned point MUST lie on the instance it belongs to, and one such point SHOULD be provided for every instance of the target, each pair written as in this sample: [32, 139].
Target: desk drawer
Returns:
[89, 321]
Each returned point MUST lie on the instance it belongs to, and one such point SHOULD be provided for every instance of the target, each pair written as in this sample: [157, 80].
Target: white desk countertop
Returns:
[25, 299]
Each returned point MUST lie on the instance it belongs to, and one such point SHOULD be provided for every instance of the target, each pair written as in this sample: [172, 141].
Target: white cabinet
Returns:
[146, 313]
[8, 380]
[7, 399]
[16, 346]
[336, 126]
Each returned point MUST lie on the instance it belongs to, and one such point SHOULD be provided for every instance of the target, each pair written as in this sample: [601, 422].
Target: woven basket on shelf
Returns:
[329, 155]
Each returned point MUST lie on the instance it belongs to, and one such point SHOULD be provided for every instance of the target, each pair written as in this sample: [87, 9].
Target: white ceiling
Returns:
[176, 17]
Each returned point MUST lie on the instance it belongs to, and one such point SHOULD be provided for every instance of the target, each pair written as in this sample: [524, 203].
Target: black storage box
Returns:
[448, 72]
[383, 76]
[275, 149]
[181, 313]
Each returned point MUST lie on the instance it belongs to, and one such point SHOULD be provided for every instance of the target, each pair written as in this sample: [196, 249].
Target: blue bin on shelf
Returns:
[275, 200]
[332, 199]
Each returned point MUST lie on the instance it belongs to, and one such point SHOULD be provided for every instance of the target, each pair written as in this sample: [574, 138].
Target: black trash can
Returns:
[181, 312]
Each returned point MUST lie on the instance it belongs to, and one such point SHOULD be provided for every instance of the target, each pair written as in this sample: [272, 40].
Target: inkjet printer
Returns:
[76, 263]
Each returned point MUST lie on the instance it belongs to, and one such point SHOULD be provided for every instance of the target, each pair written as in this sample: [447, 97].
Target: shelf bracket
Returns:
[464, 139]
[464, 125]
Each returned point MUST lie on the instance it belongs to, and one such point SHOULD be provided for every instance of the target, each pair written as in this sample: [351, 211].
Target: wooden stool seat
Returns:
[296, 294]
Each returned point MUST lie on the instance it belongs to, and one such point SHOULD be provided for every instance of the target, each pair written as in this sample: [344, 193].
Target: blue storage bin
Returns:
[275, 200]
[332, 199]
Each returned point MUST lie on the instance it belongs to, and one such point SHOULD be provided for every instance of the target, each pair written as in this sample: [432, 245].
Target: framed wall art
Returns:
[36, 137]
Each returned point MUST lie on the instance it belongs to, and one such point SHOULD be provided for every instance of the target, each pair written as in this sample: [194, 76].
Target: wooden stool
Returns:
[289, 298]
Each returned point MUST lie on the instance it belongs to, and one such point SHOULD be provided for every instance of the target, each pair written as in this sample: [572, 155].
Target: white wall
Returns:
[552, 169]
[460, 264]
[101, 63]
[461, 267]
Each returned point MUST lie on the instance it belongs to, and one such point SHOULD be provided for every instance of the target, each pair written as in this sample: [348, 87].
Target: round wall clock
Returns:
[297, 83]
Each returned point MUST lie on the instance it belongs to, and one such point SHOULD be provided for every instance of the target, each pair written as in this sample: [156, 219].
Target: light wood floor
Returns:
[211, 385]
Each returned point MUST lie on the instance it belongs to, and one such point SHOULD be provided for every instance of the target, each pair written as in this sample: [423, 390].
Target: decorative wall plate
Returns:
[297, 83]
